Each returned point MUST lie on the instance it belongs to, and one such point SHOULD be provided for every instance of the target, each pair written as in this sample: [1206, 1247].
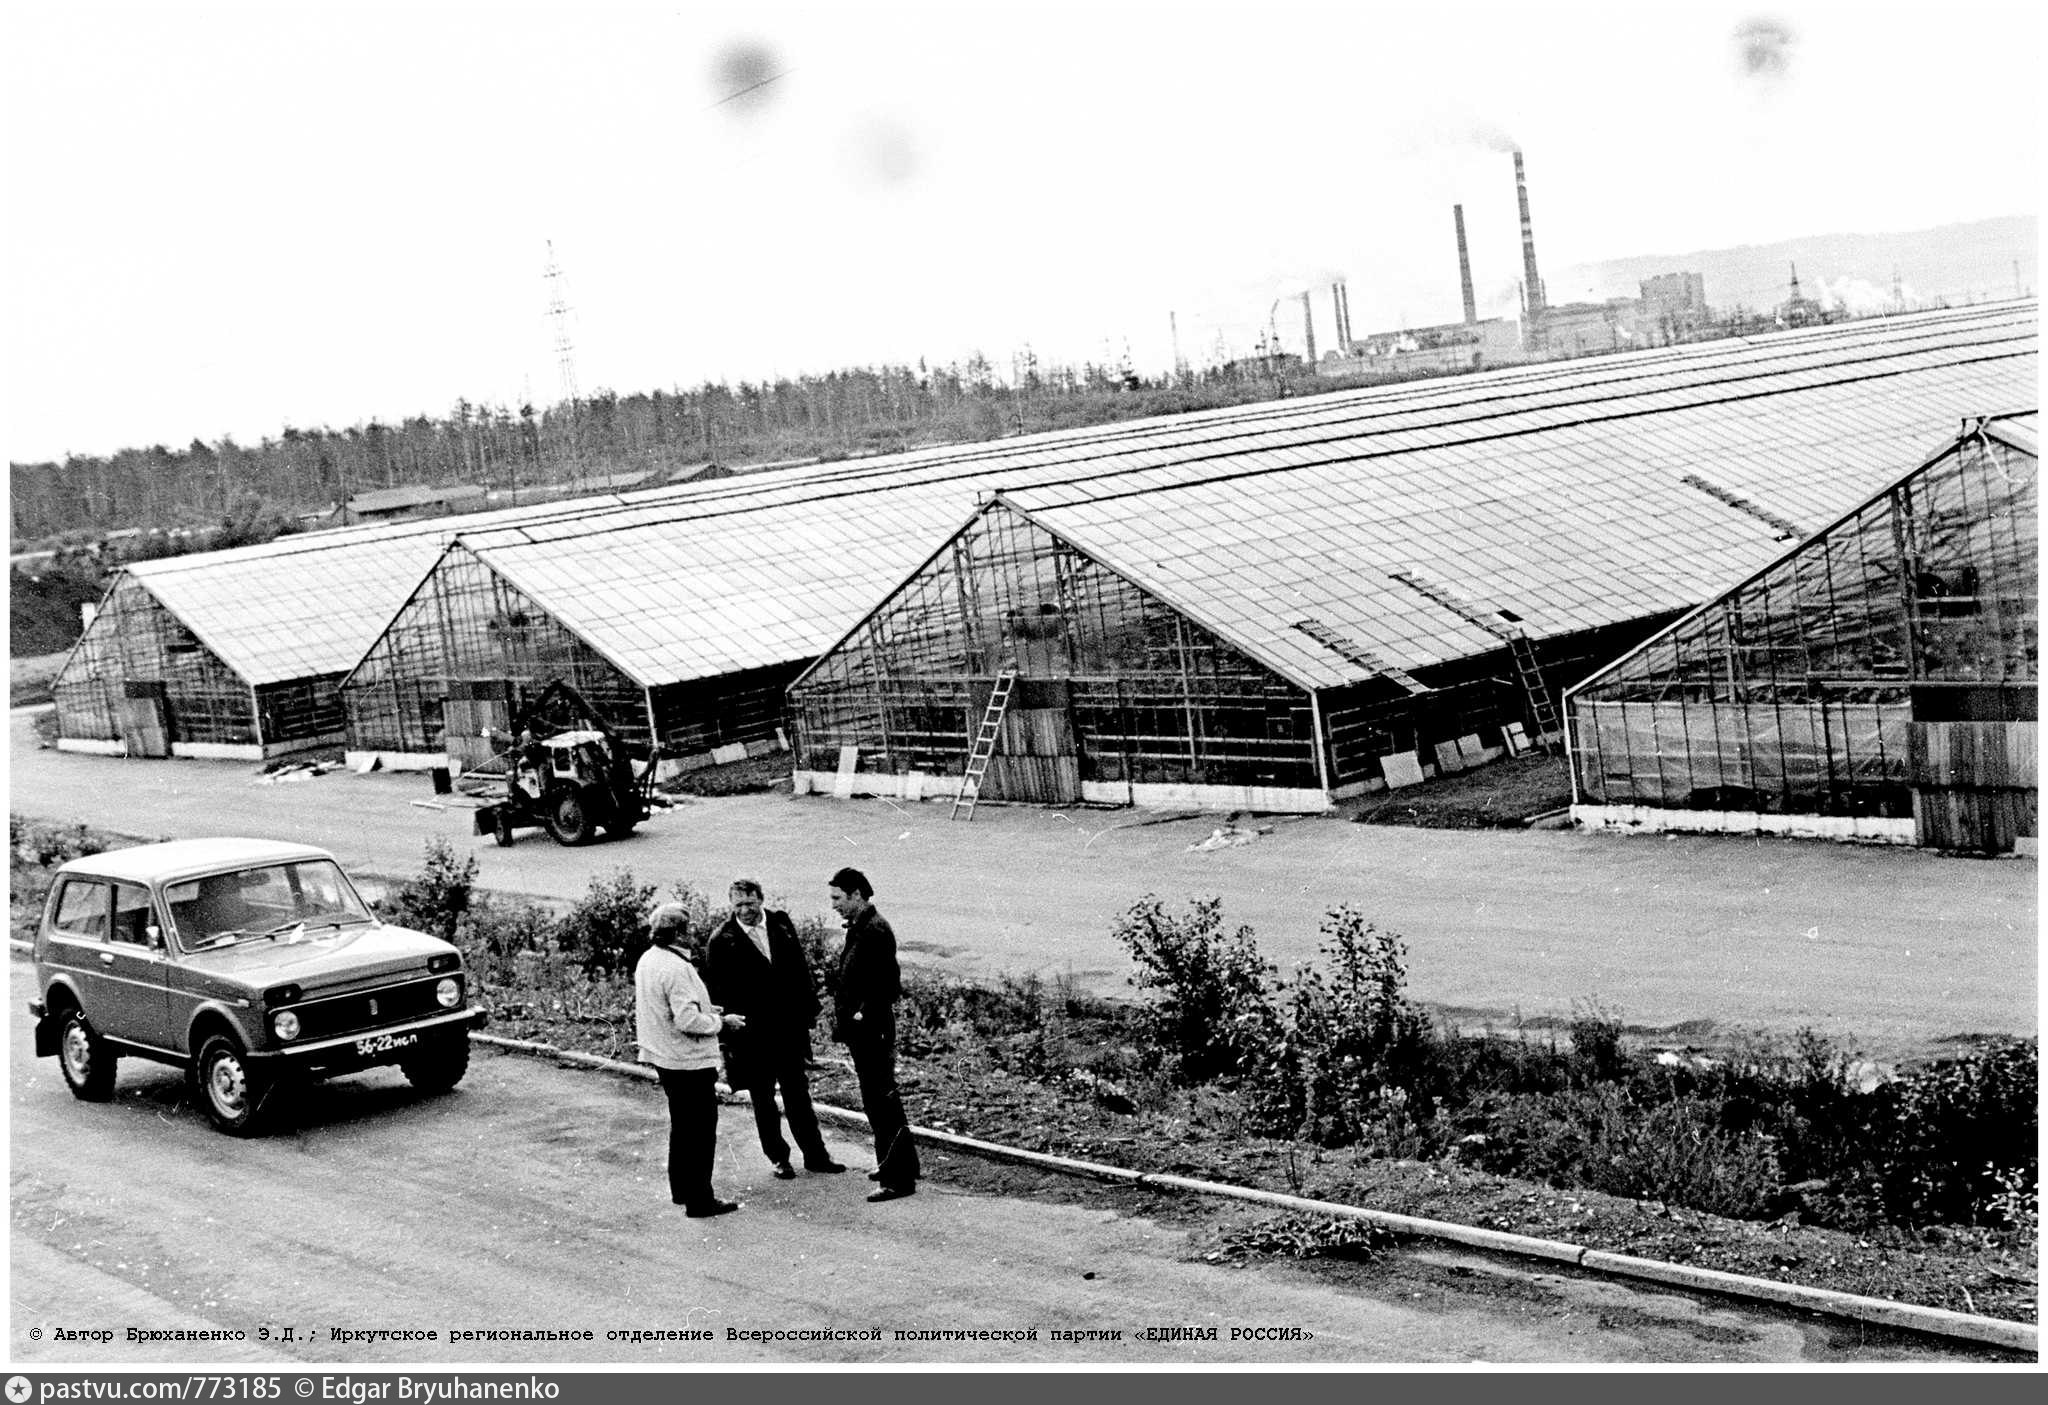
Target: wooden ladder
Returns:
[1527, 668]
[984, 744]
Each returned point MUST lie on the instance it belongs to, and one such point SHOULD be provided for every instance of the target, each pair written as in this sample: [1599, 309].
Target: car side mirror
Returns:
[155, 936]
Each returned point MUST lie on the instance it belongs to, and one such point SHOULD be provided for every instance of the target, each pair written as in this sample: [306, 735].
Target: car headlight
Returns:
[285, 1024]
[449, 993]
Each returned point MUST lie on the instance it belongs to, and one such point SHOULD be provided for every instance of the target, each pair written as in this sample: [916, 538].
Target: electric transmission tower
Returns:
[565, 358]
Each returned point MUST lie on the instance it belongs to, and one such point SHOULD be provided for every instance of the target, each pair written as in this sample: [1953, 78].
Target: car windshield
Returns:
[278, 901]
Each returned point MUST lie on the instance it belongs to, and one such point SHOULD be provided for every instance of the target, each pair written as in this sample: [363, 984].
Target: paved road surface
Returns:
[1884, 949]
[532, 1198]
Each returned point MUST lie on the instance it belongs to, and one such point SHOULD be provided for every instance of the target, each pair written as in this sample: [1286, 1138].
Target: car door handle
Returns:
[106, 958]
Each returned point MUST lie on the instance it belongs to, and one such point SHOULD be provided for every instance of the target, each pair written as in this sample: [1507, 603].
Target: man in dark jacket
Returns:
[864, 1020]
[755, 967]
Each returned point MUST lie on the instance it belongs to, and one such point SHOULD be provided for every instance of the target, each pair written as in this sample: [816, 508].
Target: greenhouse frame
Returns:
[1878, 682]
[683, 619]
[240, 653]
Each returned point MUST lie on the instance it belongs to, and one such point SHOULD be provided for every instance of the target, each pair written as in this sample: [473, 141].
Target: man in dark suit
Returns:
[755, 967]
[864, 1020]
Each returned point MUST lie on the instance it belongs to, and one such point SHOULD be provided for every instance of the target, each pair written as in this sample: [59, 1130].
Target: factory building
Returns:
[1672, 307]
[1876, 682]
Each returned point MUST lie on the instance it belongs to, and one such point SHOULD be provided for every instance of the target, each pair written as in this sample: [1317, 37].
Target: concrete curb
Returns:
[2016, 1336]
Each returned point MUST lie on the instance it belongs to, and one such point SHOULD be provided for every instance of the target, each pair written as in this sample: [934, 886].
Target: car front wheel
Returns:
[87, 1062]
[233, 1095]
[439, 1065]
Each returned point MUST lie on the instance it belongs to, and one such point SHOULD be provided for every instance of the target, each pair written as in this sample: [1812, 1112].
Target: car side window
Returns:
[131, 914]
[83, 909]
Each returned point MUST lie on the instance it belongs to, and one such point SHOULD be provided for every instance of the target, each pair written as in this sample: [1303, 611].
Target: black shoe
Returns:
[784, 1171]
[827, 1167]
[892, 1192]
[874, 1175]
[716, 1207]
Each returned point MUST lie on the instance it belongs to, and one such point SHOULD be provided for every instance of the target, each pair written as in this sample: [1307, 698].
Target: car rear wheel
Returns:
[439, 1065]
[233, 1095]
[569, 820]
[87, 1062]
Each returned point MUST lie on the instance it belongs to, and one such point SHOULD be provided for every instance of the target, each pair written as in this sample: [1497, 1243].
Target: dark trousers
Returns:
[784, 1069]
[874, 1065]
[692, 1132]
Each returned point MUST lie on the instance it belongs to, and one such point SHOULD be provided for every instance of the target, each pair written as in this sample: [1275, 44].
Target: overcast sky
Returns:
[228, 219]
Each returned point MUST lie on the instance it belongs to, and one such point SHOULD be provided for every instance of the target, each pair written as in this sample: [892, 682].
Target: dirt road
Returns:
[532, 1200]
[1887, 950]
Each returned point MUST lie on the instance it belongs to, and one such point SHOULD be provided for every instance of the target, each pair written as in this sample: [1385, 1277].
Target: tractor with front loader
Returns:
[571, 781]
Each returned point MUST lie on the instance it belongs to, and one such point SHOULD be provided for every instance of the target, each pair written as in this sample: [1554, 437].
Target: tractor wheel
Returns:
[569, 819]
[502, 828]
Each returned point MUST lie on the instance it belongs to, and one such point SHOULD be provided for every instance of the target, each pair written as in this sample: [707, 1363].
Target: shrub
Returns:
[495, 935]
[1354, 1051]
[606, 930]
[1960, 1130]
[438, 897]
[821, 950]
[1213, 1011]
[49, 845]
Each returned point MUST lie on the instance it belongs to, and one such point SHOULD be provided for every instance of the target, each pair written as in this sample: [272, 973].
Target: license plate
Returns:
[385, 1043]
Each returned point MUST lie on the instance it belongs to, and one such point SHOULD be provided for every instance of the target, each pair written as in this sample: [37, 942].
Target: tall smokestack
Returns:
[1532, 284]
[1308, 326]
[1464, 267]
[1342, 296]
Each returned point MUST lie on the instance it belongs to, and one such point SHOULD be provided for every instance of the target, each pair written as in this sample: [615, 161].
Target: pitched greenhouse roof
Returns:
[1574, 494]
[309, 604]
[2016, 431]
[1568, 529]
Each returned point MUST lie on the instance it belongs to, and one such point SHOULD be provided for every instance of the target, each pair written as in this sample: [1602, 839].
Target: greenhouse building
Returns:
[1877, 682]
[240, 653]
[1489, 523]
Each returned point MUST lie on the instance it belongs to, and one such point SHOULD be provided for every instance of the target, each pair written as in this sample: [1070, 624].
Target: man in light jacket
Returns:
[677, 1027]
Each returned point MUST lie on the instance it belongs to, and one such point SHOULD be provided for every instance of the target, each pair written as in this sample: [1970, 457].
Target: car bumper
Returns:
[369, 1047]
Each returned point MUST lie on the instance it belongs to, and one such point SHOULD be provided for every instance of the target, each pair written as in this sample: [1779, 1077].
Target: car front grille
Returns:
[367, 1009]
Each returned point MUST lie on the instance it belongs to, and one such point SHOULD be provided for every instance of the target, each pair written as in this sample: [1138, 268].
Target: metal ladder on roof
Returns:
[1529, 669]
[984, 744]
[1345, 648]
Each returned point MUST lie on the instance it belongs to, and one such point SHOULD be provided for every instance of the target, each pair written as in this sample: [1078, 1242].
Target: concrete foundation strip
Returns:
[2016, 1336]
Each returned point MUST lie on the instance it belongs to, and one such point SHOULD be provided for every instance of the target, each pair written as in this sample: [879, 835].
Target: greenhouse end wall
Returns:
[1877, 682]
[465, 627]
[1118, 698]
[140, 683]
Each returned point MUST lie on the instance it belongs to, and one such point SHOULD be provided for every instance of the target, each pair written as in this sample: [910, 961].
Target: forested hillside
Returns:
[846, 413]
